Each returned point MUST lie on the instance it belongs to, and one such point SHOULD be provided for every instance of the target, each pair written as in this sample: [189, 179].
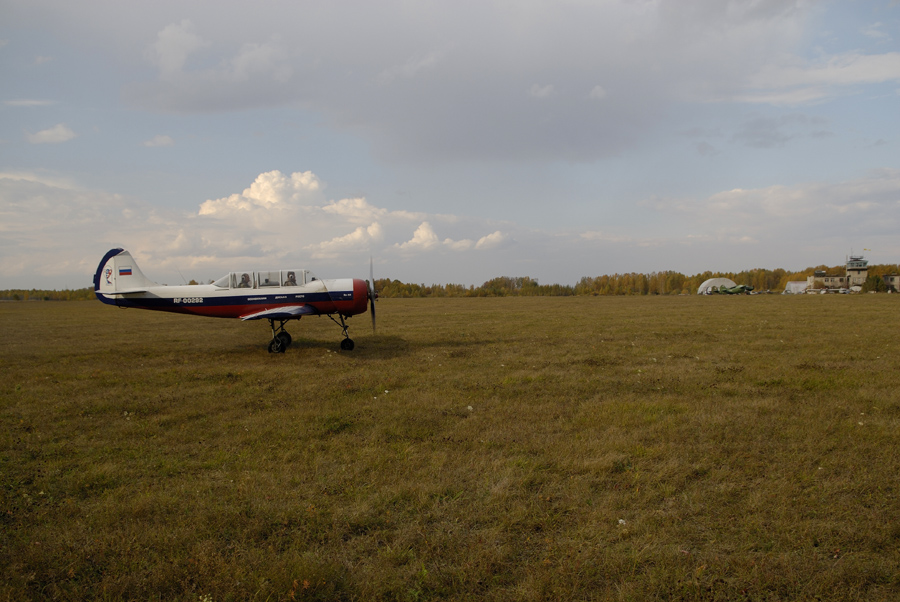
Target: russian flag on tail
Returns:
[124, 271]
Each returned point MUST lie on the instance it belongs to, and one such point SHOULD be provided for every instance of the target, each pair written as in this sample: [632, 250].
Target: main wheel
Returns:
[285, 339]
[276, 345]
[347, 345]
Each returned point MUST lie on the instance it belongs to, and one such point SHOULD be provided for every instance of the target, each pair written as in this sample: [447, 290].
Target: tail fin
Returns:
[118, 273]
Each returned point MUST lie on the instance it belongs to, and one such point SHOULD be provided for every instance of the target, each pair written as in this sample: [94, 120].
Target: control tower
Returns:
[857, 270]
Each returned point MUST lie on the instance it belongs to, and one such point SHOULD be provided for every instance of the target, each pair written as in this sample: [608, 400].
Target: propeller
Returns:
[370, 285]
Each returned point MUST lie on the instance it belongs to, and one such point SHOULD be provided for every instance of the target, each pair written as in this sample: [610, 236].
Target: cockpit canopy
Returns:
[270, 279]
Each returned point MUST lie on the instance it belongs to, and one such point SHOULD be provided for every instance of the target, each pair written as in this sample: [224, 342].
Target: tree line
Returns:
[78, 294]
[631, 283]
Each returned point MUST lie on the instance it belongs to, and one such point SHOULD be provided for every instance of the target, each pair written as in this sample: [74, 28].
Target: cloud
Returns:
[355, 210]
[598, 93]
[426, 239]
[426, 83]
[875, 31]
[55, 135]
[491, 241]
[775, 132]
[25, 102]
[705, 149]
[271, 191]
[53, 233]
[413, 67]
[255, 75]
[174, 44]
[423, 238]
[797, 82]
[159, 140]
[360, 239]
[538, 91]
[866, 206]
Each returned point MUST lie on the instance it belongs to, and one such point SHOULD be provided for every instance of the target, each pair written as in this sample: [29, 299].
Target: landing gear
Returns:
[347, 343]
[281, 339]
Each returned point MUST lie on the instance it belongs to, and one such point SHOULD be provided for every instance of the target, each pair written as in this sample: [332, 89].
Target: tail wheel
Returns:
[347, 345]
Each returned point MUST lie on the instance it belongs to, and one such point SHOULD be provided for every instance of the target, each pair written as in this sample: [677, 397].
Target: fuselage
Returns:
[344, 296]
[119, 281]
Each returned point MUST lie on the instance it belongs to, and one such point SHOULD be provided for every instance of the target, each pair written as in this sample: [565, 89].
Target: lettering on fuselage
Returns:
[188, 299]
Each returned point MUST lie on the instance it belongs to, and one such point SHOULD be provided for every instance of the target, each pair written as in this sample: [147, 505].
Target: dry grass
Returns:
[688, 448]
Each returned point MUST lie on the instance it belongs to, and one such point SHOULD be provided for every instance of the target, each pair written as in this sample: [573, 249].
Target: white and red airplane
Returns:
[276, 296]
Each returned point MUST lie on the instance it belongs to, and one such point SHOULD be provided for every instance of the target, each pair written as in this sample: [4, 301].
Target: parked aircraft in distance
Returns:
[740, 289]
[276, 296]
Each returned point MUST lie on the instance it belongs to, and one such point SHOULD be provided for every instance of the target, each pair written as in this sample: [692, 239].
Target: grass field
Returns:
[579, 448]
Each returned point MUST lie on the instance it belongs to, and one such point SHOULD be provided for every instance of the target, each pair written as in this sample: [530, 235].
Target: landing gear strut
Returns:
[281, 339]
[347, 343]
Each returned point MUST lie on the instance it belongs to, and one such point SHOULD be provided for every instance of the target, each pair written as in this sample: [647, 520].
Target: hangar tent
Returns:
[796, 287]
[715, 283]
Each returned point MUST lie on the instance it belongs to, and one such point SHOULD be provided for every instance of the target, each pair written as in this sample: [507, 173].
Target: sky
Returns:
[450, 142]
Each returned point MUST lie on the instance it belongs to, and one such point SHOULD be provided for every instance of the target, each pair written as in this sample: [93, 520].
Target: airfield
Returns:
[539, 448]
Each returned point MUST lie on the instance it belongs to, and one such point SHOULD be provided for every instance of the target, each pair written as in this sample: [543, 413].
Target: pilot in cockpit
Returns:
[291, 279]
[245, 281]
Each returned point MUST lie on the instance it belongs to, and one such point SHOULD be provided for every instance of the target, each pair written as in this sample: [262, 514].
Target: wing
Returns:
[285, 312]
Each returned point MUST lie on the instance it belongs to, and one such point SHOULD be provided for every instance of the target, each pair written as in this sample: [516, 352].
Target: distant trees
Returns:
[631, 283]
[503, 286]
[874, 283]
[81, 294]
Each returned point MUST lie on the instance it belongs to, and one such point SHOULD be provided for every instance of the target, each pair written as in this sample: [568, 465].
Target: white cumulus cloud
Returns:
[491, 241]
[55, 135]
[423, 238]
[270, 190]
[355, 210]
[360, 239]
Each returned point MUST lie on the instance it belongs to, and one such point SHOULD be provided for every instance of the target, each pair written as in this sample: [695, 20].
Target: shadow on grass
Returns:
[377, 347]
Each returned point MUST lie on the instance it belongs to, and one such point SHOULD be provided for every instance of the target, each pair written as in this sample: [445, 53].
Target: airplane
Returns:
[740, 289]
[276, 296]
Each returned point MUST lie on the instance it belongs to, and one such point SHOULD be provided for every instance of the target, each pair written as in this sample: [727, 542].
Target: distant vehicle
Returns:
[277, 296]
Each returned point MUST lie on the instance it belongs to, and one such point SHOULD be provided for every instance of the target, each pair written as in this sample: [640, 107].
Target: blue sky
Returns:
[451, 141]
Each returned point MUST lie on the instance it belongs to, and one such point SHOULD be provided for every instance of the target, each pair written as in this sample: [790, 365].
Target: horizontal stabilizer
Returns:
[286, 312]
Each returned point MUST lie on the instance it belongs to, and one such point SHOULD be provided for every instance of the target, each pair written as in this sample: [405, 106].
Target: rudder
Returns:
[119, 273]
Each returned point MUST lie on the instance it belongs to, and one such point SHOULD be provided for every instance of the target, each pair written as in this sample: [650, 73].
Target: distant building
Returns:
[855, 273]
[796, 287]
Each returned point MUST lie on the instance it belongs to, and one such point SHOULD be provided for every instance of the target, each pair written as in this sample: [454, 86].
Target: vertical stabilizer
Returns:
[119, 273]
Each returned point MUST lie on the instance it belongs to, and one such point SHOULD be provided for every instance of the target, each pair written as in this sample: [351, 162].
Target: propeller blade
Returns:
[371, 287]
